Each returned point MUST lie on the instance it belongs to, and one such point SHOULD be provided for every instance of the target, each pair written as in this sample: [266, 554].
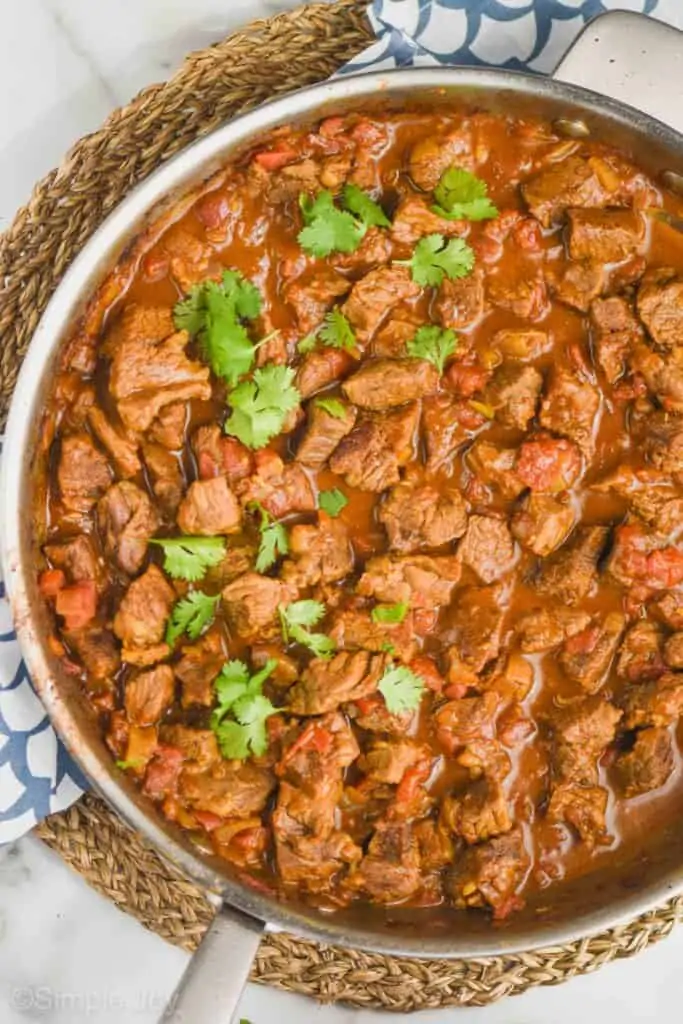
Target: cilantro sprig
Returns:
[332, 502]
[389, 614]
[214, 312]
[434, 344]
[402, 689]
[296, 620]
[192, 615]
[260, 406]
[274, 542]
[433, 259]
[337, 332]
[461, 195]
[332, 406]
[239, 694]
[188, 558]
[328, 229]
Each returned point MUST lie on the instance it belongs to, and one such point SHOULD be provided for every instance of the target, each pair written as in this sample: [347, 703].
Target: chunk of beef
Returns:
[582, 807]
[147, 375]
[663, 375]
[587, 656]
[127, 520]
[388, 760]
[485, 758]
[383, 383]
[141, 617]
[230, 789]
[313, 294]
[417, 515]
[98, 651]
[582, 731]
[542, 523]
[83, 473]
[615, 332]
[576, 284]
[148, 695]
[197, 669]
[413, 218]
[604, 236]
[570, 183]
[544, 628]
[487, 547]
[445, 421]
[168, 427]
[657, 703]
[79, 559]
[673, 651]
[138, 323]
[320, 368]
[648, 765]
[669, 609]
[475, 629]
[660, 306]
[375, 249]
[319, 554]
[641, 557]
[390, 870]
[209, 508]
[325, 684]
[123, 452]
[651, 494]
[436, 846]
[519, 289]
[641, 654]
[570, 407]
[490, 874]
[218, 455]
[434, 154]
[512, 680]
[466, 720]
[324, 431]
[513, 393]
[546, 463]
[494, 464]
[251, 605]
[370, 456]
[239, 558]
[664, 442]
[188, 256]
[353, 629]
[570, 574]
[521, 343]
[374, 295]
[420, 580]
[479, 813]
[391, 339]
[460, 302]
[198, 747]
[280, 488]
[372, 714]
[166, 476]
[284, 672]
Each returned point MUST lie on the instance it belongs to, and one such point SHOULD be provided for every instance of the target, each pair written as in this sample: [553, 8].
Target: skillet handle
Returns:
[631, 58]
[210, 989]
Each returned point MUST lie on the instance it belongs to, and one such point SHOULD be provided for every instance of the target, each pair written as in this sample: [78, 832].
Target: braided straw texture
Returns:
[267, 58]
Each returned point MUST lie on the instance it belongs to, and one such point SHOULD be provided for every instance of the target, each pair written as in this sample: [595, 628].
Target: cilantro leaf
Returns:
[239, 694]
[433, 343]
[260, 406]
[337, 332]
[402, 689]
[307, 343]
[328, 229]
[433, 259]
[364, 207]
[332, 406]
[191, 615]
[461, 195]
[389, 613]
[332, 501]
[188, 558]
[295, 620]
[213, 312]
[483, 408]
[274, 541]
[133, 762]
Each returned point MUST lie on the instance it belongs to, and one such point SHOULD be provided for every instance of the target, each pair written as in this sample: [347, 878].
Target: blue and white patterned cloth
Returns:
[37, 777]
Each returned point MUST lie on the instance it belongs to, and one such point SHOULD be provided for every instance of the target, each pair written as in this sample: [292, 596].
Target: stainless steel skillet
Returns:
[620, 59]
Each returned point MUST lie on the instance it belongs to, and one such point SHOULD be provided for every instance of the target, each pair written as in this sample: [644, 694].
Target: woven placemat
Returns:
[267, 58]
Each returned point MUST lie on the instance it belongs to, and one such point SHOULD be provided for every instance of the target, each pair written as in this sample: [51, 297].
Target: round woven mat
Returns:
[267, 58]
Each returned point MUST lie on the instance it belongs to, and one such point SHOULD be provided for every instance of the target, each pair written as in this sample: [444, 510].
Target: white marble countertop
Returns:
[66, 955]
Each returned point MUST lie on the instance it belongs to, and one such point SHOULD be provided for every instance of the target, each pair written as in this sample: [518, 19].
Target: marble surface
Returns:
[66, 955]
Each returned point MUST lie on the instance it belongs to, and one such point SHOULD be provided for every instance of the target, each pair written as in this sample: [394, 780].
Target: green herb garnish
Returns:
[434, 344]
[274, 541]
[434, 258]
[402, 689]
[239, 694]
[461, 195]
[188, 558]
[332, 406]
[260, 406]
[391, 614]
[297, 618]
[332, 502]
[192, 615]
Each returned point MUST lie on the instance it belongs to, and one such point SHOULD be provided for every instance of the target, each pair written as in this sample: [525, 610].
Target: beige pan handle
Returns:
[631, 58]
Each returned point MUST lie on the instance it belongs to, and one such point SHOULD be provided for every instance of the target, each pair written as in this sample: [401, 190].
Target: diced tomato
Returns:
[505, 908]
[367, 704]
[583, 642]
[77, 603]
[413, 778]
[547, 463]
[454, 691]
[527, 234]
[665, 568]
[161, 777]
[51, 582]
[155, 265]
[208, 820]
[275, 159]
[331, 126]
[500, 227]
[213, 209]
[424, 620]
[426, 668]
[312, 737]
[466, 380]
[207, 465]
[368, 134]
[469, 418]
[251, 840]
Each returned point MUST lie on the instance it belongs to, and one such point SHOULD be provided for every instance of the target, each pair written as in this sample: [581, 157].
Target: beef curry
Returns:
[363, 495]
